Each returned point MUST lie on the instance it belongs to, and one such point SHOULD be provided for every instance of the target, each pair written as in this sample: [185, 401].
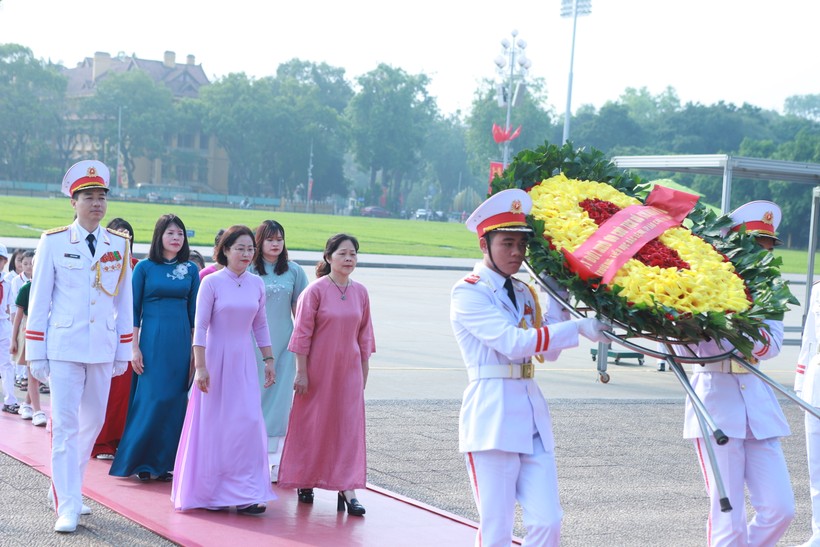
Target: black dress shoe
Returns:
[165, 477]
[305, 495]
[144, 476]
[252, 509]
[354, 508]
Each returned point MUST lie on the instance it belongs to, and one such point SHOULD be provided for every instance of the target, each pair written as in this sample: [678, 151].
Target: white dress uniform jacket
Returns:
[807, 386]
[498, 413]
[806, 382]
[80, 307]
[738, 401]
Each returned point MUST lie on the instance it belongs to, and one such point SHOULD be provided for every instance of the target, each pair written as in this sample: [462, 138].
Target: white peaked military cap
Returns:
[85, 175]
[3, 251]
[505, 211]
[761, 218]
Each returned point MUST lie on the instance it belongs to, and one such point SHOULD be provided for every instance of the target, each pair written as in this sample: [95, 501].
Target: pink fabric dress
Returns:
[325, 443]
[222, 459]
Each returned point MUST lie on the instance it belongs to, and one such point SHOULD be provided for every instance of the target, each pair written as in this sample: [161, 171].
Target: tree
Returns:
[803, 106]
[32, 94]
[390, 118]
[147, 115]
[445, 156]
[318, 94]
[269, 126]
[532, 114]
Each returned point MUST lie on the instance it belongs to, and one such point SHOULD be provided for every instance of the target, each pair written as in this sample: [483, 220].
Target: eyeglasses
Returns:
[244, 250]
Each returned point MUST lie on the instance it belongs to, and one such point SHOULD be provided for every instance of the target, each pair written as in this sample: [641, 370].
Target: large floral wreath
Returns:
[693, 282]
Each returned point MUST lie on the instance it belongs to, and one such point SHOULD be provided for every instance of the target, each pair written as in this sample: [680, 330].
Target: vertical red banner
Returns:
[310, 190]
[496, 168]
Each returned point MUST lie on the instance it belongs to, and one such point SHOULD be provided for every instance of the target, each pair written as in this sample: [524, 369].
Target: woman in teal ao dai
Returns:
[165, 291]
[284, 282]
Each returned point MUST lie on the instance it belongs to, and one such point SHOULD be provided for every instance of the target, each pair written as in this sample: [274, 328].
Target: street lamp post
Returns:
[512, 56]
[119, 140]
[572, 8]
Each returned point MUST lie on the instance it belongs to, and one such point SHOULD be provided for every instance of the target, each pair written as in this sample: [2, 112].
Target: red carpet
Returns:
[390, 520]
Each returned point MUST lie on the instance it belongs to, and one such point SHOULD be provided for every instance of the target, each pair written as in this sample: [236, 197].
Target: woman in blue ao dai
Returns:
[165, 292]
[284, 282]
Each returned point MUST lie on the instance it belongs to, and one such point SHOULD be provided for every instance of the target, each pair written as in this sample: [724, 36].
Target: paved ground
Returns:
[626, 476]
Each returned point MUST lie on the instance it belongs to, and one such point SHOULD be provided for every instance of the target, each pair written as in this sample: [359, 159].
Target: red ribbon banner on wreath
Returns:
[627, 231]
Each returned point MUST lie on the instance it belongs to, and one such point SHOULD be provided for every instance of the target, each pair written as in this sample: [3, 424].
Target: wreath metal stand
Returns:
[707, 424]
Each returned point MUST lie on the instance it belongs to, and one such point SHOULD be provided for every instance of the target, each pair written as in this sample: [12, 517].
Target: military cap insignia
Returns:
[515, 207]
[768, 217]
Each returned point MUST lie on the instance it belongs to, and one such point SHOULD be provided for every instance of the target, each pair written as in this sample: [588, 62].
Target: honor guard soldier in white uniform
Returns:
[505, 430]
[79, 330]
[747, 411]
[807, 387]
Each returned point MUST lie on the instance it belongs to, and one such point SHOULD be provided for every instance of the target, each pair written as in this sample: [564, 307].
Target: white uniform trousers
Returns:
[79, 395]
[813, 453]
[500, 478]
[6, 366]
[761, 467]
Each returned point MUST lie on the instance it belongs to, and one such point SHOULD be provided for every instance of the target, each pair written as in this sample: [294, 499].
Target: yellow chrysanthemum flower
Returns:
[710, 283]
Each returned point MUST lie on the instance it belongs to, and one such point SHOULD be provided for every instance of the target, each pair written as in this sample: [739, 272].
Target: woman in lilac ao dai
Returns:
[222, 458]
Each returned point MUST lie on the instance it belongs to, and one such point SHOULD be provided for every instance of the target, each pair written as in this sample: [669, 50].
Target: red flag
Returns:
[500, 135]
[310, 190]
[496, 168]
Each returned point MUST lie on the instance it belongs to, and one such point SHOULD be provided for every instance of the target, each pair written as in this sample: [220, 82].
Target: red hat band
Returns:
[757, 226]
[501, 220]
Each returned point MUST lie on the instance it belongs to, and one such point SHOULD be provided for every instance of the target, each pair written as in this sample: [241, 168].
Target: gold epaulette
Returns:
[56, 230]
[125, 235]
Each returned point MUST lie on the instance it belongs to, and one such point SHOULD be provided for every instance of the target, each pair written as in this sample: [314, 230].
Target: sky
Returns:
[738, 51]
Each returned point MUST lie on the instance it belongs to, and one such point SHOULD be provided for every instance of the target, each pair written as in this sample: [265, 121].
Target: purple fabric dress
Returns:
[222, 459]
[325, 442]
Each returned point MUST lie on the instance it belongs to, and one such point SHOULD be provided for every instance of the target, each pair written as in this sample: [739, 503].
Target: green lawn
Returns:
[26, 217]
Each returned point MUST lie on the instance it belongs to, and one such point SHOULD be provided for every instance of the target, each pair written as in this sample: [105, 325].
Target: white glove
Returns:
[119, 368]
[593, 329]
[40, 369]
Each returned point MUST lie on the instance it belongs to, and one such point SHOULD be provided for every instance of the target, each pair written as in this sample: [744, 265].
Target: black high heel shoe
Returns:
[353, 506]
[305, 495]
[252, 509]
[144, 476]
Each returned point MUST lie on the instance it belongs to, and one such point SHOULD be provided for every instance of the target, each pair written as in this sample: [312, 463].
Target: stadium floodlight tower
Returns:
[572, 8]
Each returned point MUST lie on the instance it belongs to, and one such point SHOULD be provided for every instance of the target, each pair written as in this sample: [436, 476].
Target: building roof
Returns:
[183, 79]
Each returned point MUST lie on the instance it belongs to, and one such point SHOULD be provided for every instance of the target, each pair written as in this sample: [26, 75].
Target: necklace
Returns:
[235, 278]
[342, 292]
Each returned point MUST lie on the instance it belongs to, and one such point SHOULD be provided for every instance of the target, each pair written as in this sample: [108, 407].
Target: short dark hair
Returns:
[323, 266]
[197, 258]
[216, 241]
[228, 238]
[13, 258]
[155, 251]
[122, 225]
[270, 228]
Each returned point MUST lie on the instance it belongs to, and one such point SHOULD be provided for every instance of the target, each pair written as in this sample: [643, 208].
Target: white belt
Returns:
[510, 371]
[726, 366]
